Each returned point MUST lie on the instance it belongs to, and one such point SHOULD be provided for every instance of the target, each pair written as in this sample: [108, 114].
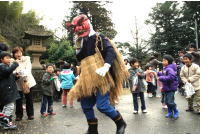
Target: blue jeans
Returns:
[103, 105]
[169, 99]
[135, 102]
[46, 100]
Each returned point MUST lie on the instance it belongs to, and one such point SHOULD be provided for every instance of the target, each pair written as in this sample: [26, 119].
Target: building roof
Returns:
[37, 31]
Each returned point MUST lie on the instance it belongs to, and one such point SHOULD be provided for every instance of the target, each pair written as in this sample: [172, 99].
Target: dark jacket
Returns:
[106, 49]
[196, 58]
[48, 85]
[169, 78]
[140, 86]
[88, 49]
[8, 88]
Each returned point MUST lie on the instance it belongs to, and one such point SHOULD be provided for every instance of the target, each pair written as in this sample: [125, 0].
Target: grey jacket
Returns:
[140, 86]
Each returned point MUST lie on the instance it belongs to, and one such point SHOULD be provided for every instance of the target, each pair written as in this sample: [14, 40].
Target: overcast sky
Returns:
[123, 15]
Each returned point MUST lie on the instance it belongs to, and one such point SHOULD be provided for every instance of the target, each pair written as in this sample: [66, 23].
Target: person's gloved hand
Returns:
[103, 70]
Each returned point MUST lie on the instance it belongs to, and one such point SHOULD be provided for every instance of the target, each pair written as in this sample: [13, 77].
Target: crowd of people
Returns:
[164, 78]
[157, 78]
[17, 81]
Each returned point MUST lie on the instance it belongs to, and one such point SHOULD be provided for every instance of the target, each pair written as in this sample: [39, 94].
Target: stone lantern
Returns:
[36, 35]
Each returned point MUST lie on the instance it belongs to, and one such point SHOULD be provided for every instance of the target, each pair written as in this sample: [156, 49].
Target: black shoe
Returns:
[120, 123]
[30, 117]
[18, 119]
[92, 126]
[198, 113]
[189, 110]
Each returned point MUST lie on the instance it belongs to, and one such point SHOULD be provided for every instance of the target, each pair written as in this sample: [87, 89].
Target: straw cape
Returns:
[89, 81]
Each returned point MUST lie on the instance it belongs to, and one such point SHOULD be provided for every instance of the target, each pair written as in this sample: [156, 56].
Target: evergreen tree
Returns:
[174, 26]
[61, 50]
[13, 23]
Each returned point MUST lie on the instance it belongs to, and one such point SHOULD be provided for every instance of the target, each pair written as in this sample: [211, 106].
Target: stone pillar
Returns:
[35, 61]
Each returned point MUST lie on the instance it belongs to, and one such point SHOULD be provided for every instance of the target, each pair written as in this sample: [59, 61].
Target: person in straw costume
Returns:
[102, 72]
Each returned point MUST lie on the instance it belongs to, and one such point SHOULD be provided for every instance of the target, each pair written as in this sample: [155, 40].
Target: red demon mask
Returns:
[79, 25]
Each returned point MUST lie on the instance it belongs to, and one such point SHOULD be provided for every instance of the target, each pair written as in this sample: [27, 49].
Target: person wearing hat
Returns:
[190, 72]
[101, 74]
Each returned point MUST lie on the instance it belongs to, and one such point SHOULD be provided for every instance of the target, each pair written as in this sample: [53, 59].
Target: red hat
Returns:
[80, 25]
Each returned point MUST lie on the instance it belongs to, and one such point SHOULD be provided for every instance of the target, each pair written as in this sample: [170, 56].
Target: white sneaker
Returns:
[158, 96]
[150, 95]
[135, 112]
[144, 111]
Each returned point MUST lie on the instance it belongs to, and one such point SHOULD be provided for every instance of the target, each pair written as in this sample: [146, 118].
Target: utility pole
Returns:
[136, 37]
[195, 20]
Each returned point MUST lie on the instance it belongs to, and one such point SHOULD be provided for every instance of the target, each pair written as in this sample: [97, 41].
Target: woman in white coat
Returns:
[24, 71]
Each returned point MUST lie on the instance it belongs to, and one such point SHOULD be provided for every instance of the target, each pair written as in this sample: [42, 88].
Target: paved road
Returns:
[72, 121]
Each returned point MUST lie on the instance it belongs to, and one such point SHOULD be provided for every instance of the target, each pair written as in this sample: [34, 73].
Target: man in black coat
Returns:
[86, 41]
[8, 90]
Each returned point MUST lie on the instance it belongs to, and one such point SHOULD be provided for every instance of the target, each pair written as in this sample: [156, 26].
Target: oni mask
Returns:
[80, 25]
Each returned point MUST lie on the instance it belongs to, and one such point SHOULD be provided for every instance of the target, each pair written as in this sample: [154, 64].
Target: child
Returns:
[151, 80]
[8, 90]
[58, 91]
[159, 87]
[191, 73]
[180, 64]
[136, 85]
[164, 106]
[48, 89]
[66, 77]
[169, 80]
